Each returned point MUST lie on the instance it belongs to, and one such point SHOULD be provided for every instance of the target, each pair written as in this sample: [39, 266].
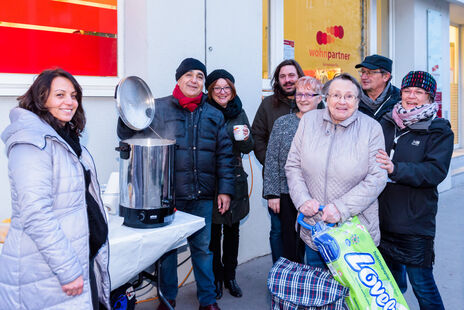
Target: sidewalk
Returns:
[448, 270]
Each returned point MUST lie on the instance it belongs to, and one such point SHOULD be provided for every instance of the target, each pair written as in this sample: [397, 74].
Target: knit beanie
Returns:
[218, 74]
[189, 64]
[422, 80]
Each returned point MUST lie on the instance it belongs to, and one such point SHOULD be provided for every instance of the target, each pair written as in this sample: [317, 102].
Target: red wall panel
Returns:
[25, 49]
[31, 51]
[59, 14]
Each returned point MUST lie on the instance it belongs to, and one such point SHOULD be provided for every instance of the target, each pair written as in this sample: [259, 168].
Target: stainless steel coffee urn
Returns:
[146, 170]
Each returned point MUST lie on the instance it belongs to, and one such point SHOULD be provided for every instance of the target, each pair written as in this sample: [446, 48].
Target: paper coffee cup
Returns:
[239, 134]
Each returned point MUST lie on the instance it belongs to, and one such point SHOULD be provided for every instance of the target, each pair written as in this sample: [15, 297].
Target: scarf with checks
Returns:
[404, 118]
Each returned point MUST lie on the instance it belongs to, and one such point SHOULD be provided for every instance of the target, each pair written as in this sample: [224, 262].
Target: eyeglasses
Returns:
[368, 73]
[218, 89]
[348, 97]
[305, 95]
[416, 93]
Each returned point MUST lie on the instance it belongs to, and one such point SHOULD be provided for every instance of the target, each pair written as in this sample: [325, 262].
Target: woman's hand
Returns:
[274, 205]
[223, 201]
[330, 214]
[246, 132]
[74, 288]
[309, 207]
[384, 159]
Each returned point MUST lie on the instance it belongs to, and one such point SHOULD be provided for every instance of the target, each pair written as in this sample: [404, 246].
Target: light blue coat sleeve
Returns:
[30, 170]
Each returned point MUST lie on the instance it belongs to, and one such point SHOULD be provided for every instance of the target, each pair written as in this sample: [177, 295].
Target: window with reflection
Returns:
[325, 37]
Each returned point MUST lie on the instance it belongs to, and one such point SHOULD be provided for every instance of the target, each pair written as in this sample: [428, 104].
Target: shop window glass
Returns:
[265, 39]
[325, 37]
[78, 36]
[383, 28]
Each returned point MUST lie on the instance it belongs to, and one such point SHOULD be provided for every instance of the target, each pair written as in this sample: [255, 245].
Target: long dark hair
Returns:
[278, 91]
[36, 96]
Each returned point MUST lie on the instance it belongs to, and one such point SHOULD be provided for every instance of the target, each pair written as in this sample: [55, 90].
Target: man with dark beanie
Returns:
[203, 160]
[379, 95]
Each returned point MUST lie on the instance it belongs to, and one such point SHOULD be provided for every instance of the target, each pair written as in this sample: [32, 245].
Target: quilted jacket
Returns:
[336, 163]
[47, 245]
[240, 204]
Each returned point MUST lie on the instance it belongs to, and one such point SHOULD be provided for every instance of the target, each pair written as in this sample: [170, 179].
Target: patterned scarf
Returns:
[404, 118]
[375, 104]
[186, 102]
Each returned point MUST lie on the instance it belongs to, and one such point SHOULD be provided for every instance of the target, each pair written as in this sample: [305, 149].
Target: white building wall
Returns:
[156, 36]
[234, 43]
[176, 30]
[420, 56]
[159, 35]
[100, 135]
[410, 46]
[403, 39]
[6, 104]
[410, 39]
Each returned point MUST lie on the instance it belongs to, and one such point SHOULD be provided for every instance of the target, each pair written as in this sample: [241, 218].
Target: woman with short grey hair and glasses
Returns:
[275, 189]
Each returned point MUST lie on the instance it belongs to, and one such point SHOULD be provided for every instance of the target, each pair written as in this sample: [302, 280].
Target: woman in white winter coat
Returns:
[56, 252]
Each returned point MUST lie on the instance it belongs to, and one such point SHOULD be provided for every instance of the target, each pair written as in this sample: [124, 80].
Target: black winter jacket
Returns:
[392, 97]
[265, 117]
[421, 158]
[203, 148]
[240, 204]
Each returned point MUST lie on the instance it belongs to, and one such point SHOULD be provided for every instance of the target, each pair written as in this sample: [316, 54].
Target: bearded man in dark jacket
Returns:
[379, 95]
[203, 155]
[282, 102]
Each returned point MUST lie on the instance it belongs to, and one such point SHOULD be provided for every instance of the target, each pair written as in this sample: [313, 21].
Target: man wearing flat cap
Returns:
[379, 95]
[203, 159]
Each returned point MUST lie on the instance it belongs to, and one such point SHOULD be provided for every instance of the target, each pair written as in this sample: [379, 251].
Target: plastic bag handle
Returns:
[301, 221]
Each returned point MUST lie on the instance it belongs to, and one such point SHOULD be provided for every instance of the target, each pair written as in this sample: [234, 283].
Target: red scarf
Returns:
[186, 102]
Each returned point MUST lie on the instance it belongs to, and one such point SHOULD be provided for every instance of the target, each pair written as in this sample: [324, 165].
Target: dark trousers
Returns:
[202, 258]
[275, 236]
[422, 282]
[293, 246]
[224, 265]
[314, 259]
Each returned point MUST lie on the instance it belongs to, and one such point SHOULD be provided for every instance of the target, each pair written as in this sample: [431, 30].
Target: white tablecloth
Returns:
[132, 250]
